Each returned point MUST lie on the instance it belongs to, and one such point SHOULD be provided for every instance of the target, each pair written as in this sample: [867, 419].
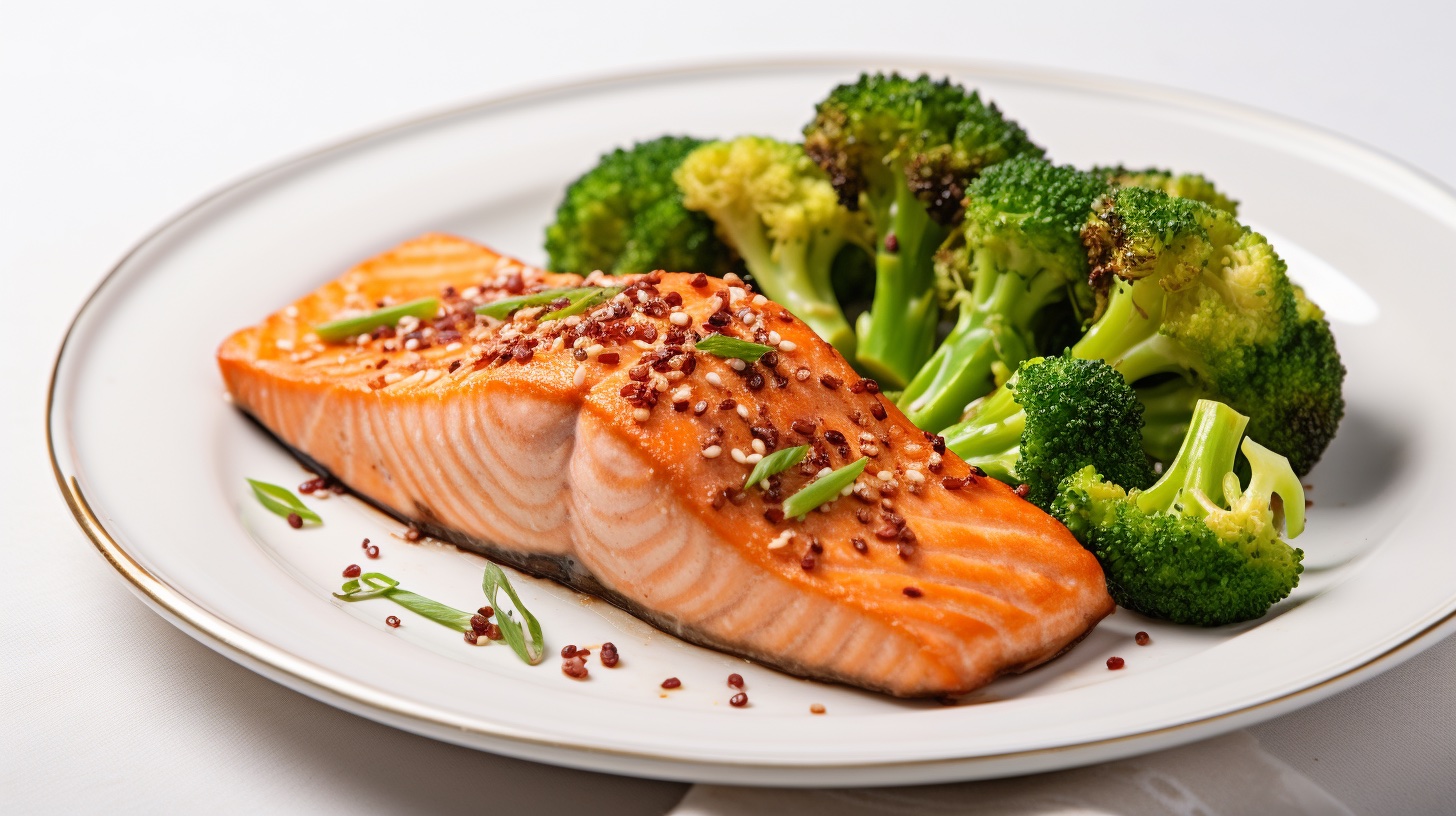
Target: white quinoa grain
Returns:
[579, 378]
[743, 412]
[759, 447]
[774, 339]
[737, 364]
[787, 346]
[915, 475]
[712, 451]
[738, 456]
[714, 380]
[679, 318]
[641, 414]
[753, 458]
[885, 475]
[758, 300]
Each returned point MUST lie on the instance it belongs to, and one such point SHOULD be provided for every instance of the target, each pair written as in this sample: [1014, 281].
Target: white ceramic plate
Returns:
[153, 460]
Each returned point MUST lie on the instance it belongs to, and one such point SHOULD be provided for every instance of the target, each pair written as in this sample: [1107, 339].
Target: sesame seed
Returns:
[915, 476]
[823, 472]
[782, 540]
[801, 375]
[557, 345]
[758, 300]
[735, 294]
[679, 318]
[787, 346]
[393, 377]
[753, 458]
[291, 311]
[641, 414]
[758, 446]
[738, 456]
[580, 342]
[362, 340]
[712, 451]
[774, 338]
[714, 380]
[737, 364]
[743, 411]
[683, 395]
[642, 344]
[579, 378]
[457, 346]
[593, 350]
[885, 475]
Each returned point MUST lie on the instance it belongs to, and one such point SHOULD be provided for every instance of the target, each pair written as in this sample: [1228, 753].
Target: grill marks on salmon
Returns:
[477, 430]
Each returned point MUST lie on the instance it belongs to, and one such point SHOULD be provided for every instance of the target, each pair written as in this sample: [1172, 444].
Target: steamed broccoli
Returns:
[1196, 547]
[1182, 185]
[776, 208]
[1053, 417]
[1018, 251]
[626, 216]
[904, 150]
[1188, 291]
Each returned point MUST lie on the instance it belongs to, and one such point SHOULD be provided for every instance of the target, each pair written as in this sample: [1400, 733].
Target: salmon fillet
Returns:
[614, 463]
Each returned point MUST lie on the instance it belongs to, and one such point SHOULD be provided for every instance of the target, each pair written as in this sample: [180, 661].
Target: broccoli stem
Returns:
[1272, 475]
[1167, 408]
[897, 334]
[796, 275]
[1207, 454]
[991, 437]
[1127, 337]
[991, 328]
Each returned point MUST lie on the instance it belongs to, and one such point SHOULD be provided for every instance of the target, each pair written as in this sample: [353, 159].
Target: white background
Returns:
[115, 116]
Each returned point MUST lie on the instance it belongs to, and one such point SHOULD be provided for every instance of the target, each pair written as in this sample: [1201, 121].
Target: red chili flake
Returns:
[372, 551]
[912, 592]
[352, 571]
[738, 700]
[831, 382]
[892, 244]
[574, 667]
[859, 545]
[1142, 638]
[699, 281]
[609, 655]
[1023, 490]
[411, 533]
[671, 683]
[878, 411]
[1115, 663]
[905, 549]
[479, 622]
[609, 358]
[568, 650]
[672, 299]
[807, 562]
[311, 485]
[485, 611]
[802, 427]
[454, 364]
[295, 521]
[952, 483]
[392, 622]
[735, 680]
[834, 437]
[492, 632]
[472, 638]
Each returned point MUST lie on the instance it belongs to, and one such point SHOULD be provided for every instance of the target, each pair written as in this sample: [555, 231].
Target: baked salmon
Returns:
[605, 450]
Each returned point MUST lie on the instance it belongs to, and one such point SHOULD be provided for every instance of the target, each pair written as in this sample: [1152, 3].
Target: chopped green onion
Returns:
[501, 309]
[336, 330]
[824, 489]
[280, 501]
[382, 586]
[602, 295]
[532, 651]
[721, 345]
[776, 462]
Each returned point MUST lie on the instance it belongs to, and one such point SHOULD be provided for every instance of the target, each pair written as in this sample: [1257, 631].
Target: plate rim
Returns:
[325, 684]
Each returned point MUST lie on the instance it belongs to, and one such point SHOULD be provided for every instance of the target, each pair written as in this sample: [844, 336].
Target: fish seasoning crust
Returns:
[638, 396]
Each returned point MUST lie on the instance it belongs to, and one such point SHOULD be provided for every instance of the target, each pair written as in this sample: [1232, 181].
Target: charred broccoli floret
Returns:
[1187, 291]
[776, 208]
[1198, 546]
[626, 215]
[1017, 252]
[904, 150]
[1055, 416]
[1179, 185]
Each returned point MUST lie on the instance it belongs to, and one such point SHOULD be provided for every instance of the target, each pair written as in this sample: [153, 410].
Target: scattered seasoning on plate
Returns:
[609, 655]
[574, 666]
[492, 632]
[411, 533]
[671, 683]
[352, 571]
[735, 680]
[372, 551]
[1142, 638]
[472, 638]
[364, 545]
[568, 650]
[816, 708]
[738, 700]
[1115, 663]
[295, 520]
[392, 622]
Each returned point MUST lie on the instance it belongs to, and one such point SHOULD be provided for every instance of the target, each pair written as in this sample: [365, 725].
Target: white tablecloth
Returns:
[117, 115]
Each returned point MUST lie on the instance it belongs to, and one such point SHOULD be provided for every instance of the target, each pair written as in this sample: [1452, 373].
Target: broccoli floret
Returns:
[1187, 291]
[1018, 251]
[904, 150]
[1180, 185]
[776, 208]
[1196, 547]
[626, 216]
[1053, 417]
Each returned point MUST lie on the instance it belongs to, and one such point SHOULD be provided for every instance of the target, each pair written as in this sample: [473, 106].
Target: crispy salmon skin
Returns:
[606, 451]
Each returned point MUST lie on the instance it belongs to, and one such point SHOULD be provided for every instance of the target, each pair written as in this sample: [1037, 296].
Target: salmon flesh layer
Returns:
[605, 451]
